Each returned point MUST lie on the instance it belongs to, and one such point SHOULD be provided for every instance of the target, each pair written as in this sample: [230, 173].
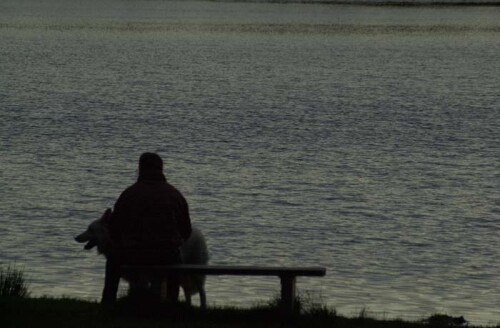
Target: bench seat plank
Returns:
[230, 270]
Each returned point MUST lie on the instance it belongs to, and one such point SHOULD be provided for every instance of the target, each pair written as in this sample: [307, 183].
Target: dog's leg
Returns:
[163, 291]
[203, 297]
[187, 294]
[199, 283]
[137, 287]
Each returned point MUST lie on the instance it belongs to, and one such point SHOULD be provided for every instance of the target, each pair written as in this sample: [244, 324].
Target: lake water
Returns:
[364, 139]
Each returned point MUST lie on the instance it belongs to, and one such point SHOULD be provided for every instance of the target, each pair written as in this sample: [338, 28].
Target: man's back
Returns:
[150, 214]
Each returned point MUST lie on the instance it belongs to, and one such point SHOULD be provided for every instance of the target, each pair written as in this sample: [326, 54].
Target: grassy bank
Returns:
[18, 310]
[49, 312]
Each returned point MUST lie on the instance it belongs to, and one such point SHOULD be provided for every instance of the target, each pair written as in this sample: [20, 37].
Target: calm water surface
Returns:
[363, 139]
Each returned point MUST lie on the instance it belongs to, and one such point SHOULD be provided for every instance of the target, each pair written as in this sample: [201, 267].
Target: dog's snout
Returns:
[81, 238]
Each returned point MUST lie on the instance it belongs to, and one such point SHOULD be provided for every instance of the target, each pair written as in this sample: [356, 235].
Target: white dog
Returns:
[193, 251]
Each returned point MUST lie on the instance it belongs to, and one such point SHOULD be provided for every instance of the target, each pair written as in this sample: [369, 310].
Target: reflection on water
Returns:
[360, 138]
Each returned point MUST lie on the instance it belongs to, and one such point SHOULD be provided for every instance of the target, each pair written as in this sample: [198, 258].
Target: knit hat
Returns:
[150, 161]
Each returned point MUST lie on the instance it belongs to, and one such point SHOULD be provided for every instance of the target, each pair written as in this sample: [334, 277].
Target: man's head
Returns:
[150, 162]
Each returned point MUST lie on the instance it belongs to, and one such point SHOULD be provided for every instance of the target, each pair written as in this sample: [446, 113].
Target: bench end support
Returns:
[287, 295]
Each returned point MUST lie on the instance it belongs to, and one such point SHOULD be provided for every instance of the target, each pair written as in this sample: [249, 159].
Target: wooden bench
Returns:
[287, 276]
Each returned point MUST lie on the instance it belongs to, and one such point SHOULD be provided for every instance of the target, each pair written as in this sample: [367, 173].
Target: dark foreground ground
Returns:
[69, 313]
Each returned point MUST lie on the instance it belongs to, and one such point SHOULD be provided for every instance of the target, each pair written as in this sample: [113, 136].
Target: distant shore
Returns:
[396, 3]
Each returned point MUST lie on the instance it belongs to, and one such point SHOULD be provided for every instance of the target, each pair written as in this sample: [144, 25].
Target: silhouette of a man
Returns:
[149, 223]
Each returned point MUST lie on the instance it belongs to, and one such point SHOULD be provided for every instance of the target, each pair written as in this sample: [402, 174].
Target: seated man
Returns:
[149, 223]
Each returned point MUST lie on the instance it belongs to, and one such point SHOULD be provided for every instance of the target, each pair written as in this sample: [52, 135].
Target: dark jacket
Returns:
[150, 214]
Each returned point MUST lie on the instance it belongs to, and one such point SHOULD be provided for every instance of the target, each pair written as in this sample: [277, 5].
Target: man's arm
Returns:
[184, 218]
[119, 217]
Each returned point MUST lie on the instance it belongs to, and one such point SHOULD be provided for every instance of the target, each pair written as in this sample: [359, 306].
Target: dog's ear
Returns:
[106, 217]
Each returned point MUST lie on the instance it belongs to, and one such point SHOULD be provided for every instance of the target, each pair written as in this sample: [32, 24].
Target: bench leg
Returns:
[287, 295]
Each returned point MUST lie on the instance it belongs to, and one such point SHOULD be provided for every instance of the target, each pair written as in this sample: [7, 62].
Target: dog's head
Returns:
[96, 233]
